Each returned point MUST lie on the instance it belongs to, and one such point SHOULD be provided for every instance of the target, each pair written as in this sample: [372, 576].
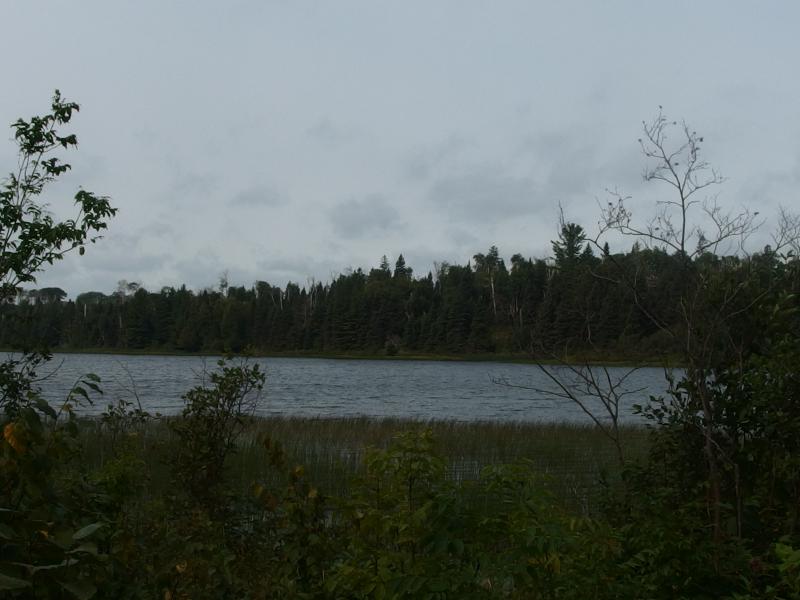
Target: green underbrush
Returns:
[216, 504]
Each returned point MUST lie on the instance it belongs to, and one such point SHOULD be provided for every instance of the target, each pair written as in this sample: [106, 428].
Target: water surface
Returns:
[461, 391]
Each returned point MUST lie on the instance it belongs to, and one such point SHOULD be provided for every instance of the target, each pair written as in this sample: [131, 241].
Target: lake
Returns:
[461, 391]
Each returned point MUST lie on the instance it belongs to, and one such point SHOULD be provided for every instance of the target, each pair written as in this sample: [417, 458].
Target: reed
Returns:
[573, 459]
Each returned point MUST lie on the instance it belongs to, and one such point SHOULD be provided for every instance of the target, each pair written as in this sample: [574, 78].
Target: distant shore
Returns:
[518, 358]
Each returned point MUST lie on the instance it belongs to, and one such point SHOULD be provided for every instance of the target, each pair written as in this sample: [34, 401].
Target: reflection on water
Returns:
[337, 388]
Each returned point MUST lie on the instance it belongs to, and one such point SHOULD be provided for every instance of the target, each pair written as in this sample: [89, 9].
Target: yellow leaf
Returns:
[181, 567]
[555, 563]
[11, 434]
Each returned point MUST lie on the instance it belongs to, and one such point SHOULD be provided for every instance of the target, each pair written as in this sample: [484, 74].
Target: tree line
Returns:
[568, 304]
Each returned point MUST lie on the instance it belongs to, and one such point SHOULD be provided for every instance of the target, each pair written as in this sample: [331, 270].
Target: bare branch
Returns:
[678, 164]
[786, 237]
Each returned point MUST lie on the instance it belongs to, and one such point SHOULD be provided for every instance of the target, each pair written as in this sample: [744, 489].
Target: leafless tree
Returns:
[692, 217]
[580, 384]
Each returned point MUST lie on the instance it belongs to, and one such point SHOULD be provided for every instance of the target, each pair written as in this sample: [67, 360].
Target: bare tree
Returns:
[692, 217]
[581, 384]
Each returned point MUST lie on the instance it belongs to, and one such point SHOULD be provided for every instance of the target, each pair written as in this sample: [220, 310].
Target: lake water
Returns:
[459, 391]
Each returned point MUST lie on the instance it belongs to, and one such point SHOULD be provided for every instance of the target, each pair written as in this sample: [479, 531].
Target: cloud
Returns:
[187, 188]
[484, 194]
[424, 162]
[127, 256]
[462, 238]
[329, 133]
[325, 105]
[301, 269]
[365, 217]
[206, 267]
[566, 163]
[132, 255]
[260, 195]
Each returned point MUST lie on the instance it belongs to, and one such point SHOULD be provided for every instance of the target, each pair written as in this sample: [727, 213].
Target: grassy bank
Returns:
[573, 459]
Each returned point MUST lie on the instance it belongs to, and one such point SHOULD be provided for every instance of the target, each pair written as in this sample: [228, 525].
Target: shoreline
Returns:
[518, 358]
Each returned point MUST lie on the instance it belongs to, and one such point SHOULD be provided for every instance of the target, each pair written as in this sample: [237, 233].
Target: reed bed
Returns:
[573, 459]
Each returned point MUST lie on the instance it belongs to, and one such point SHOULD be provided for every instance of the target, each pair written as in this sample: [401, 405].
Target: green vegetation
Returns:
[213, 504]
[573, 458]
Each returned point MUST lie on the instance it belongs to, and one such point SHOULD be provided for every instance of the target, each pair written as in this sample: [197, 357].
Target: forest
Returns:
[570, 304]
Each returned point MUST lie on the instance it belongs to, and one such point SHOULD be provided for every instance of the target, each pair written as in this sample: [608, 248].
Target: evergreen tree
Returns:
[400, 269]
[569, 246]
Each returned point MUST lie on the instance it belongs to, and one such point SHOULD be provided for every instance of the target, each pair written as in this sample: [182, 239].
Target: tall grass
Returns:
[573, 459]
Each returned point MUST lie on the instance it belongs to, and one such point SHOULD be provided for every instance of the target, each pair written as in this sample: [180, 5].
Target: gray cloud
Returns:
[566, 162]
[474, 132]
[486, 194]
[300, 269]
[206, 267]
[132, 256]
[462, 238]
[256, 196]
[329, 133]
[426, 161]
[124, 266]
[125, 257]
[370, 216]
[186, 188]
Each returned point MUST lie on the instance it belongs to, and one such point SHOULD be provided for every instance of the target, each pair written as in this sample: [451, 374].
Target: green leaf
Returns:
[12, 583]
[78, 390]
[52, 567]
[85, 532]
[83, 590]
[44, 407]
[86, 547]
[93, 386]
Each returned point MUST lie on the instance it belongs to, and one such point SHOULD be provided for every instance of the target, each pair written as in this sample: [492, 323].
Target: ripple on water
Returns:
[410, 389]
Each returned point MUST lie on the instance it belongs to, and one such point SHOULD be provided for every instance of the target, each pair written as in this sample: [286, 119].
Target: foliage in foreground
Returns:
[404, 531]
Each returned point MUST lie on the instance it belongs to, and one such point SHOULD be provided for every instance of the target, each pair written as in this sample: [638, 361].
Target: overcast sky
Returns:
[287, 140]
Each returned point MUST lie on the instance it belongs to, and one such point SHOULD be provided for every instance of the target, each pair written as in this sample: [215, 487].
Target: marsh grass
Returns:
[574, 460]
